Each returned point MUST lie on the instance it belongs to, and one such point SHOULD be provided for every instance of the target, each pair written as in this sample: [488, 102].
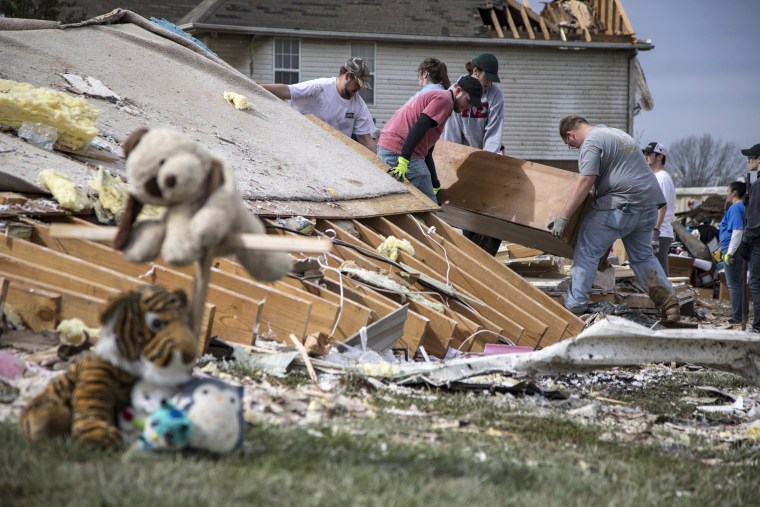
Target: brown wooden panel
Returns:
[39, 309]
[72, 304]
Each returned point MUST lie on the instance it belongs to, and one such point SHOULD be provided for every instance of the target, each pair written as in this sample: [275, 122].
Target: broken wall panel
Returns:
[504, 197]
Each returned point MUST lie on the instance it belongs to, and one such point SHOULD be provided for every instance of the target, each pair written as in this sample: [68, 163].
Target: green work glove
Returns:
[558, 225]
[728, 259]
[399, 172]
[435, 190]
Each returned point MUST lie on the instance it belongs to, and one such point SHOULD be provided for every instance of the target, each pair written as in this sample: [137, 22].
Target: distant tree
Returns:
[704, 162]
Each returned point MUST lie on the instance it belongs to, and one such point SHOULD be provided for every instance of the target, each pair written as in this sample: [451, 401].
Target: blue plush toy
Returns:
[166, 429]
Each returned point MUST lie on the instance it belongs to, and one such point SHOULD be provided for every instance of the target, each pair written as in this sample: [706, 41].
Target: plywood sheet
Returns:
[505, 197]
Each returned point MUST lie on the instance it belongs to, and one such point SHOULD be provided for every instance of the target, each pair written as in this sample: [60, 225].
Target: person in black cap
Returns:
[481, 127]
[750, 245]
[417, 125]
[663, 235]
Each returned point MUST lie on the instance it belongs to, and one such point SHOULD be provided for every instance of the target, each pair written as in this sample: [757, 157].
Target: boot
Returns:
[666, 300]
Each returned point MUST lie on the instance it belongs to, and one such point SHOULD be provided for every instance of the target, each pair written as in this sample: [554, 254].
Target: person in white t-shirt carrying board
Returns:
[335, 100]
[662, 236]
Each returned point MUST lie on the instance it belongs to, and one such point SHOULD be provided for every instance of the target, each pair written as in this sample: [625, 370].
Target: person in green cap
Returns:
[481, 127]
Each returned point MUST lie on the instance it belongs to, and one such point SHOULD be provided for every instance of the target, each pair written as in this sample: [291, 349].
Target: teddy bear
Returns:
[203, 207]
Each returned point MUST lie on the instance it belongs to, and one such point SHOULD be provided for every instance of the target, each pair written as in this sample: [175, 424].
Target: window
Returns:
[366, 50]
[287, 61]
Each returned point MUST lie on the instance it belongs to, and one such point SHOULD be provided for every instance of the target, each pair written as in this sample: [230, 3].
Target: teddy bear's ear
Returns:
[124, 231]
[132, 140]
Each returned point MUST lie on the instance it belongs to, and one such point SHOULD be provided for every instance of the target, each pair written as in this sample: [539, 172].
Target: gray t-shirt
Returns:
[622, 173]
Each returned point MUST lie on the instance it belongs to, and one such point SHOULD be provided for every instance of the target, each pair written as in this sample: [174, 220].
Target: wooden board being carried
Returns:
[505, 197]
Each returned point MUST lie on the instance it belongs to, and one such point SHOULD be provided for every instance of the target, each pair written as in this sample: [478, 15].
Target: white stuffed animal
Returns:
[166, 168]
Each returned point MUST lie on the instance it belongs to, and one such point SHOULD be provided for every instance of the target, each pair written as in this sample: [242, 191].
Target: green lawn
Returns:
[421, 447]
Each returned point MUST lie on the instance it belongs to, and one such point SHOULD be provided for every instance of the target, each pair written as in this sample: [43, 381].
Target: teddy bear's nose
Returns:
[170, 181]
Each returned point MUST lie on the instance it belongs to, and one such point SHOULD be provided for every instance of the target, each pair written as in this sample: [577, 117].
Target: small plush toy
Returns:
[215, 409]
[203, 207]
[166, 429]
[146, 398]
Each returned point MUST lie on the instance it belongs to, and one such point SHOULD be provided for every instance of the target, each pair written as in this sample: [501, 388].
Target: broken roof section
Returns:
[565, 21]
[284, 164]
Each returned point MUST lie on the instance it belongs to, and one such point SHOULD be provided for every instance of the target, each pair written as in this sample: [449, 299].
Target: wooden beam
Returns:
[496, 24]
[511, 22]
[72, 304]
[39, 309]
[488, 268]
[541, 22]
[517, 323]
[526, 22]
[581, 21]
[624, 18]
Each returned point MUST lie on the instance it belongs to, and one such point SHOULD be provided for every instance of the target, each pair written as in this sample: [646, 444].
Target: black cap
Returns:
[752, 152]
[488, 64]
[474, 88]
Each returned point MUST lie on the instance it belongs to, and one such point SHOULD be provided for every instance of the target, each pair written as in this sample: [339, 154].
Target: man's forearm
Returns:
[279, 90]
[580, 191]
[661, 216]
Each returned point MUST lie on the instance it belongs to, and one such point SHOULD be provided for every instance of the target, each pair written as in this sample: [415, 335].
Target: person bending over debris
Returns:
[626, 199]
[481, 127]
[731, 232]
[750, 245]
[415, 127]
[663, 235]
[335, 100]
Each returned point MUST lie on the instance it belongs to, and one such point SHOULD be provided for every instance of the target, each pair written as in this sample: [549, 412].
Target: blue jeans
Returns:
[418, 175]
[754, 282]
[600, 228]
[735, 282]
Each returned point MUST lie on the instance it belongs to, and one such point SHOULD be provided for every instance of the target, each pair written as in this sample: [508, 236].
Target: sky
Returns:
[704, 70]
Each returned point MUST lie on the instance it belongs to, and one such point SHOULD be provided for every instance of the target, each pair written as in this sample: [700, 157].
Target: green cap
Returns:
[488, 64]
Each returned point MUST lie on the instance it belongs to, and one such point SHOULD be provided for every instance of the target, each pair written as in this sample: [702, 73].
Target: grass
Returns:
[422, 448]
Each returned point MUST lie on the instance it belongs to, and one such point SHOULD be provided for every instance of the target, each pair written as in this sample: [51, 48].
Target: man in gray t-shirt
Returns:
[626, 199]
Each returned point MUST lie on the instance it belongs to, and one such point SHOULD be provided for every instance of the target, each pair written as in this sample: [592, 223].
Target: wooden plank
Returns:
[580, 20]
[520, 197]
[496, 24]
[72, 304]
[562, 322]
[324, 310]
[39, 309]
[517, 323]
[415, 326]
[512, 28]
[76, 267]
[440, 330]
[12, 198]
[540, 19]
[36, 272]
[235, 314]
[627, 27]
[526, 22]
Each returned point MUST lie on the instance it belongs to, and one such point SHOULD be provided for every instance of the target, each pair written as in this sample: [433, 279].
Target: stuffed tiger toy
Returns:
[145, 334]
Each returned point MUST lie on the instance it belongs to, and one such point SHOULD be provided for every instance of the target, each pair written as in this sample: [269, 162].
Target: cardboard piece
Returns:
[505, 197]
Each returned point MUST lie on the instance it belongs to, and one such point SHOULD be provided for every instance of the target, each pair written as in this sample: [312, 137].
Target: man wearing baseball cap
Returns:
[750, 245]
[662, 236]
[335, 100]
[415, 127]
[481, 127]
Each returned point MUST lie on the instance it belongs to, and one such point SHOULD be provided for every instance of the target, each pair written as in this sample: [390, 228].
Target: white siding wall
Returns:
[540, 85]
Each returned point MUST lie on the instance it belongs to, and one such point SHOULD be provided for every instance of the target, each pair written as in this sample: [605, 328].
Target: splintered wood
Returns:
[52, 278]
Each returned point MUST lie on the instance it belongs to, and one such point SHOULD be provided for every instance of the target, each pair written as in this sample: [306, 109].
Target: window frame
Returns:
[293, 70]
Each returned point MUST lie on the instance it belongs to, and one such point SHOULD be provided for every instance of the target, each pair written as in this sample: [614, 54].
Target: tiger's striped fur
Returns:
[145, 334]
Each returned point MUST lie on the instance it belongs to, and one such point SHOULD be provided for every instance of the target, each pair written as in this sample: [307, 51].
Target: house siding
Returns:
[540, 84]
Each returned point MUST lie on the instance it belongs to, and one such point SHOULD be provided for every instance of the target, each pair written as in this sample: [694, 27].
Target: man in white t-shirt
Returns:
[335, 100]
[662, 236]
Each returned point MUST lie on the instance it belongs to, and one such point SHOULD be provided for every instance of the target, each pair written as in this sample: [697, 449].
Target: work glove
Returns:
[558, 225]
[743, 252]
[728, 259]
[435, 190]
[399, 172]
[656, 241]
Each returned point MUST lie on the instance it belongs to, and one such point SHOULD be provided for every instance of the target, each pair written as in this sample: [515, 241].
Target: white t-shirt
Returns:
[320, 97]
[669, 190]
